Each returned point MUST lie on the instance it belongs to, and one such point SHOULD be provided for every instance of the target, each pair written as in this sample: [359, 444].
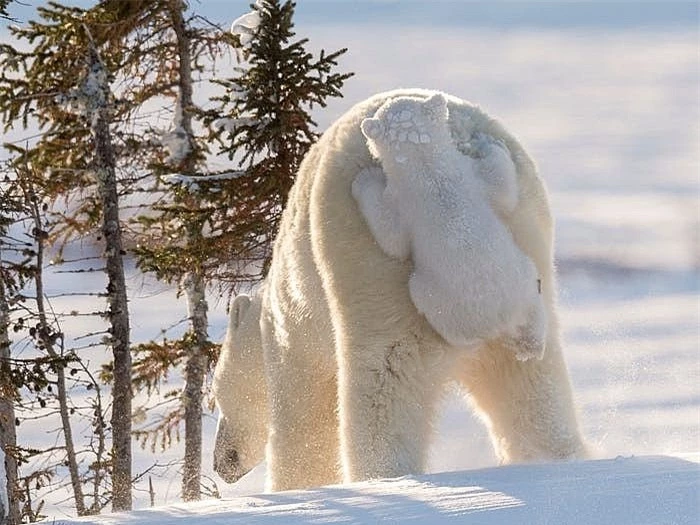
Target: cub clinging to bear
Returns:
[330, 372]
[444, 211]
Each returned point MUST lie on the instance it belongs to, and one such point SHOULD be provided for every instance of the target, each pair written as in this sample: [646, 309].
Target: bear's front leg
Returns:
[302, 449]
[381, 215]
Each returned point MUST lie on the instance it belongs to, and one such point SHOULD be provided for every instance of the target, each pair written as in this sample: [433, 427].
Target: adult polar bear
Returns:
[354, 373]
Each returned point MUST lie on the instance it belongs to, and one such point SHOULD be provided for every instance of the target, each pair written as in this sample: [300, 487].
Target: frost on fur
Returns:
[441, 208]
[406, 122]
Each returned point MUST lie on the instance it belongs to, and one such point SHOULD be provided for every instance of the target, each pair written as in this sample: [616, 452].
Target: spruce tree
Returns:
[98, 95]
[203, 229]
[150, 47]
[3, 8]
[268, 128]
[170, 235]
[214, 229]
[61, 85]
[42, 377]
[8, 435]
[12, 208]
[193, 281]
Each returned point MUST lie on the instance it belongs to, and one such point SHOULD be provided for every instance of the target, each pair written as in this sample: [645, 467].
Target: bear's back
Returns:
[324, 254]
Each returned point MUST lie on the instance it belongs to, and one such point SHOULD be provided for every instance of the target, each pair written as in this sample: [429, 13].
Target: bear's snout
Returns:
[227, 465]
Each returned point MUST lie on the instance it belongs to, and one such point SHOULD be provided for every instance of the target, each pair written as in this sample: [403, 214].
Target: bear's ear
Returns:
[371, 128]
[239, 307]
[436, 106]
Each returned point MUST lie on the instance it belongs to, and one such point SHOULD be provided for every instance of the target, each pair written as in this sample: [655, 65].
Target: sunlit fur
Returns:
[354, 372]
[241, 393]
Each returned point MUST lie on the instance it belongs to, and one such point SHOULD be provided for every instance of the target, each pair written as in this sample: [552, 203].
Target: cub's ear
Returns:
[436, 106]
[239, 307]
[371, 128]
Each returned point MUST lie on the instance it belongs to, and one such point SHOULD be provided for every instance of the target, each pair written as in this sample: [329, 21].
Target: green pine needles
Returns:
[267, 127]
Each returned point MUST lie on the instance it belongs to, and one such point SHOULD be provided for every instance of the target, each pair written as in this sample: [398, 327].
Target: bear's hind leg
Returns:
[527, 405]
[387, 401]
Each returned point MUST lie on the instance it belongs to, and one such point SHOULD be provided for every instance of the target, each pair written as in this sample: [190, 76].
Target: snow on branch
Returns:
[90, 96]
[236, 91]
[192, 182]
[232, 125]
[246, 26]
[93, 93]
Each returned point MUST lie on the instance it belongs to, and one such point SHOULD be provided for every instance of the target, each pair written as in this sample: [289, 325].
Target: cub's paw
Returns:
[524, 344]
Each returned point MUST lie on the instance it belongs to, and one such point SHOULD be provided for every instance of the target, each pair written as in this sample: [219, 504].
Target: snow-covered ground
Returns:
[623, 491]
[612, 116]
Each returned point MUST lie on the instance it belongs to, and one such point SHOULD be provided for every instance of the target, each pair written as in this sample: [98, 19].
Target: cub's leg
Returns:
[444, 317]
[530, 338]
[381, 214]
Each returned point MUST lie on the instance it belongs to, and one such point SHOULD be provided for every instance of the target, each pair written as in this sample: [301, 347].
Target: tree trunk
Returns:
[193, 282]
[8, 436]
[195, 369]
[116, 290]
[45, 335]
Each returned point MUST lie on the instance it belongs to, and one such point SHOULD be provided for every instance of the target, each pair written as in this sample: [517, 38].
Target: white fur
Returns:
[240, 390]
[354, 372]
[431, 204]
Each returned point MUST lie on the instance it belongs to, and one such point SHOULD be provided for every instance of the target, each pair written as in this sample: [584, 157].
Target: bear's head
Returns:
[405, 125]
[240, 390]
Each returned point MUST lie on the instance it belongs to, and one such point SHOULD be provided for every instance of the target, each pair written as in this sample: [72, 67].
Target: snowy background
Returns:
[605, 97]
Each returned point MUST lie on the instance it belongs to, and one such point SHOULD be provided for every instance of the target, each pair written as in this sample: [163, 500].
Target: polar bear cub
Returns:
[441, 208]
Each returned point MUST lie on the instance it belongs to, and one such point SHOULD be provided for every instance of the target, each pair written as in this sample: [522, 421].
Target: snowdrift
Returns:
[652, 490]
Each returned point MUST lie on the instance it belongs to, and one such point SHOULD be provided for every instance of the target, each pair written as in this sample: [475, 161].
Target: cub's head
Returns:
[240, 391]
[406, 124]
